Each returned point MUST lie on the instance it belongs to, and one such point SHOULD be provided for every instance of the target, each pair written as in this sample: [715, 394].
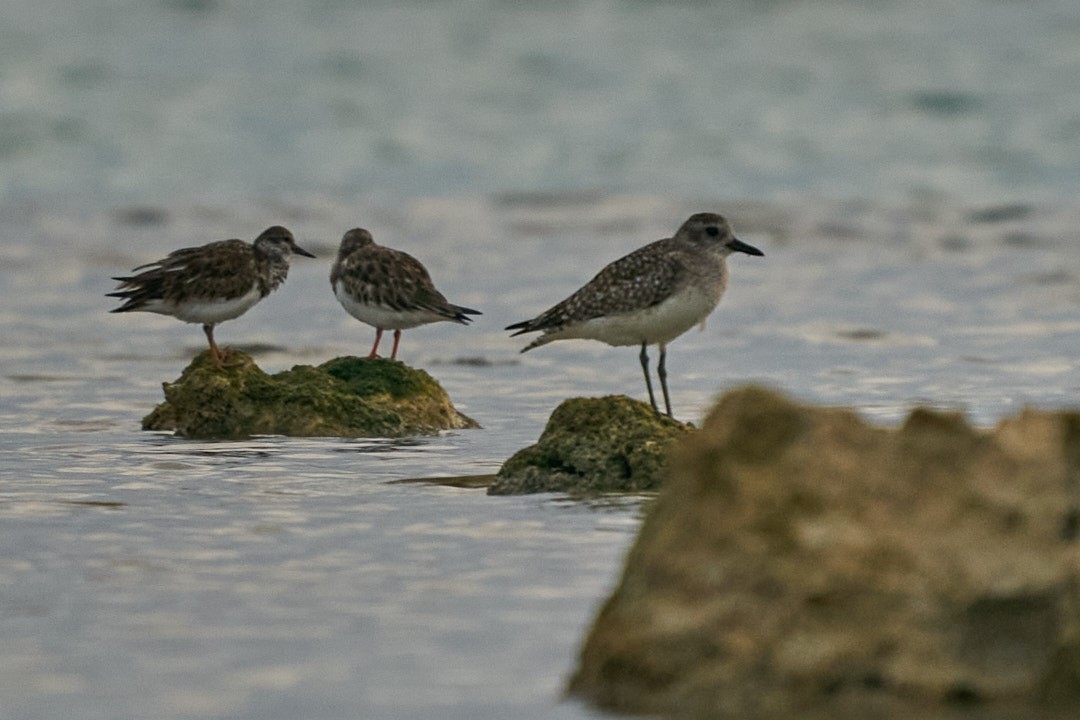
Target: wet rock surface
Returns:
[800, 562]
[593, 445]
[344, 397]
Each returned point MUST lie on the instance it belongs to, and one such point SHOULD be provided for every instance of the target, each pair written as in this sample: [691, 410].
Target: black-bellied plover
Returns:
[650, 296]
[211, 283]
[388, 289]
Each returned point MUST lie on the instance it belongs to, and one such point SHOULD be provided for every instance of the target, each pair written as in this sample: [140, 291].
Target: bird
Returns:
[388, 289]
[211, 283]
[648, 297]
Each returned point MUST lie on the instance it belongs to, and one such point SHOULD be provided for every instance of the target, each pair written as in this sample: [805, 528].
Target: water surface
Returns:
[909, 170]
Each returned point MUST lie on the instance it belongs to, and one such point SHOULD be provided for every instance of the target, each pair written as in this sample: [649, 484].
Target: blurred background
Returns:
[227, 101]
[910, 169]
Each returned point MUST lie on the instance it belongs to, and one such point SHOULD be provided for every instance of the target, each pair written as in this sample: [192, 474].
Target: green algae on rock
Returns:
[344, 397]
[593, 445]
[801, 563]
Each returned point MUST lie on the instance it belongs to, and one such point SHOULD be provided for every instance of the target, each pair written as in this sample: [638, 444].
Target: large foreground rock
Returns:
[593, 445]
[800, 563]
[344, 397]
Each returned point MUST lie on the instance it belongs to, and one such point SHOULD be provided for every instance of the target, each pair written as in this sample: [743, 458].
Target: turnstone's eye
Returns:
[712, 231]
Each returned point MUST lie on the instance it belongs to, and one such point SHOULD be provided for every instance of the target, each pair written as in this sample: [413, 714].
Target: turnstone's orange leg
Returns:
[397, 339]
[375, 348]
[214, 352]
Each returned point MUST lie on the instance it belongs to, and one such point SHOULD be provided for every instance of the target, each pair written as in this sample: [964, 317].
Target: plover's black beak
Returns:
[737, 245]
[301, 251]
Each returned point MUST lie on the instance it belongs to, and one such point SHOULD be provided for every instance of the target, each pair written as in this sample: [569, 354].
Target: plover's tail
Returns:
[537, 342]
[533, 325]
[521, 327]
[547, 321]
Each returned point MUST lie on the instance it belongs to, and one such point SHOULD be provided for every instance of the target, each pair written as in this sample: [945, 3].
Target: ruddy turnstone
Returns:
[651, 296]
[211, 283]
[388, 289]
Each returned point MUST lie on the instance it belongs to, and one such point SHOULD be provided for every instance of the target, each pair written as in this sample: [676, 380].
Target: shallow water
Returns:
[515, 151]
[151, 576]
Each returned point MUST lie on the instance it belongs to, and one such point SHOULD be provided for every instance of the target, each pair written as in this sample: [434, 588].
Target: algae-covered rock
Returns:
[592, 445]
[344, 397]
[800, 563]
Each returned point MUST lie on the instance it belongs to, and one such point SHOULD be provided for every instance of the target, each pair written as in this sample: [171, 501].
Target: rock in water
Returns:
[345, 397]
[593, 445]
[800, 563]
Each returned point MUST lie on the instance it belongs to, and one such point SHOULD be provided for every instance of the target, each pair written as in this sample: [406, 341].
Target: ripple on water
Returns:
[190, 569]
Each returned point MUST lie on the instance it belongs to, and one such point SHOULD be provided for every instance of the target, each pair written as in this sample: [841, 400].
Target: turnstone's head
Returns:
[279, 242]
[354, 240]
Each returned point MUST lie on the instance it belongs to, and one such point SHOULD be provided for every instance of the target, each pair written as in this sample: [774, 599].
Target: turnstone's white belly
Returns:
[206, 311]
[383, 317]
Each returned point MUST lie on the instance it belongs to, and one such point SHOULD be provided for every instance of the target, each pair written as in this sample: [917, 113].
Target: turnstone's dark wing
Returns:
[220, 270]
[396, 281]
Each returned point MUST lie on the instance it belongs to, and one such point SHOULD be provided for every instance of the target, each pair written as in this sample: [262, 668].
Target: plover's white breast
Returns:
[379, 316]
[660, 323]
[205, 311]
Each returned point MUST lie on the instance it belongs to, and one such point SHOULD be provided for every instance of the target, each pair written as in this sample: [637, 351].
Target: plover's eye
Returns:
[712, 231]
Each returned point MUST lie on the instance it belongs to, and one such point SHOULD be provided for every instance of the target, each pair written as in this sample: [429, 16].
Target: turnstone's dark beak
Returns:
[737, 245]
[301, 251]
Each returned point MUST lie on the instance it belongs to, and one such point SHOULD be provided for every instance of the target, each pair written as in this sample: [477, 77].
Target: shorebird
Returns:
[388, 289]
[649, 297]
[211, 283]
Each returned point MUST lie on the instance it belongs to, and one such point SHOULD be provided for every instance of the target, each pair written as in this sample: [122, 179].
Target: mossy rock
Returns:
[593, 445]
[344, 397]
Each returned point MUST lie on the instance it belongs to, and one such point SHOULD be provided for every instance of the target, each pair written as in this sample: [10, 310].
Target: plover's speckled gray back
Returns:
[650, 296]
[388, 289]
[211, 283]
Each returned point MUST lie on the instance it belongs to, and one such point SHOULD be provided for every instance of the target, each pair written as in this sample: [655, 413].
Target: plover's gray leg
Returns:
[661, 372]
[648, 380]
